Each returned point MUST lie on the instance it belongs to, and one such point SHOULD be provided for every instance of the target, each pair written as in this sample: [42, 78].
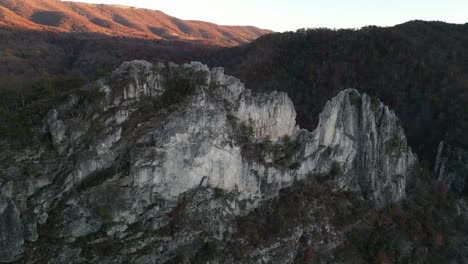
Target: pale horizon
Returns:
[281, 16]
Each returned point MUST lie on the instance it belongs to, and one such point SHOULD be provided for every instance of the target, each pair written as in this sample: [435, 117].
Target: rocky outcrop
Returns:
[271, 115]
[362, 141]
[11, 231]
[451, 167]
[132, 153]
[140, 79]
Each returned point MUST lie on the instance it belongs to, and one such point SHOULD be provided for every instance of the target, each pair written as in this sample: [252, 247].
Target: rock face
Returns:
[11, 231]
[365, 143]
[451, 167]
[139, 79]
[271, 115]
[134, 156]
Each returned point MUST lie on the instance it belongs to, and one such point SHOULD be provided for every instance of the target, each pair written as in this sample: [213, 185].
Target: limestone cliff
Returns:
[366, 143]
[120, 157]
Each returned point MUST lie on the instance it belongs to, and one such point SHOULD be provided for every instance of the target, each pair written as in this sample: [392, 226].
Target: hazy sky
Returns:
[281, 15]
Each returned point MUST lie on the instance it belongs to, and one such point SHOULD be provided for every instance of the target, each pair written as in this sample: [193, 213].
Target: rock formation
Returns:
[366, 142]
[129, 154]
[451, 167]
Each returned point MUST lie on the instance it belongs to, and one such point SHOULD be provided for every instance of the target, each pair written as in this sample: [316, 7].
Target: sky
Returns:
[290, 15]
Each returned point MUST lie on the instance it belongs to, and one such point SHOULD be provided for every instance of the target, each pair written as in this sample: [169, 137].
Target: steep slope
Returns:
[129, 158]
[417, 68]
[58, 16]
[451, 166]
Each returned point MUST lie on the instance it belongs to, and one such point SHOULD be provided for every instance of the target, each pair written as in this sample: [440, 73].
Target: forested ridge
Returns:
[420, 69]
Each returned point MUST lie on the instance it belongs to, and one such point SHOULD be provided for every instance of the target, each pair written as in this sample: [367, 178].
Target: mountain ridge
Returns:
[111, 20]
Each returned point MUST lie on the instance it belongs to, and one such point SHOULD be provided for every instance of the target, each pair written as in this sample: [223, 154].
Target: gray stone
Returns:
[271, 115]
[364, 140]
[11, 231]
[140, 78]
[31, 232]
[451, 167]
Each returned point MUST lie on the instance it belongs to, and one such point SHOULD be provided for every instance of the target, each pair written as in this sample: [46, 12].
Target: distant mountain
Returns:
[113, 20]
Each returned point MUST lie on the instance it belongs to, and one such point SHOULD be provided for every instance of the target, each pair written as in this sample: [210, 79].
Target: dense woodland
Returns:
[419, 69]
[29, 57]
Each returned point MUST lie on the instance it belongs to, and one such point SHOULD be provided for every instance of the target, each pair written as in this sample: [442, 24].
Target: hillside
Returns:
[418, 68]
[112, 20]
